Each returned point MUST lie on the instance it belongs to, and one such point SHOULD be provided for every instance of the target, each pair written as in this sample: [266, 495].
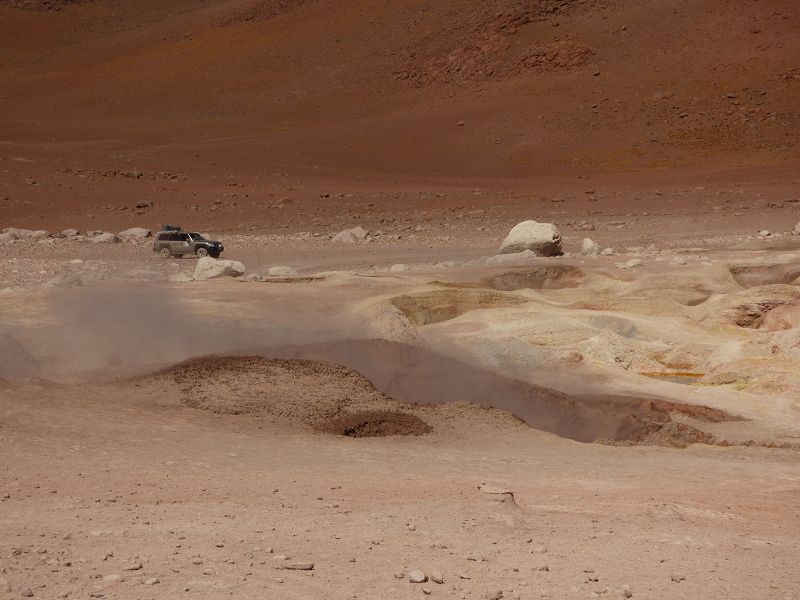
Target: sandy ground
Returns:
[123, 480]
[615, 426]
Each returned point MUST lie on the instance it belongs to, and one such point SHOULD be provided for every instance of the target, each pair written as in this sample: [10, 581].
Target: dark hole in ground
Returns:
[378, 423]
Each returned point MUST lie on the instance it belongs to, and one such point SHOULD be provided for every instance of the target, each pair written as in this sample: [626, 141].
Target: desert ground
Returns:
[377, 402]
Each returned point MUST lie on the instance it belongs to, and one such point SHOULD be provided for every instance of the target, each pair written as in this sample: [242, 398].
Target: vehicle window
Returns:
[196, 237]
[183, 237]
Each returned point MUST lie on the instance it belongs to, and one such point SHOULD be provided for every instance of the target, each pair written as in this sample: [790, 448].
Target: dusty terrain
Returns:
[621, 425]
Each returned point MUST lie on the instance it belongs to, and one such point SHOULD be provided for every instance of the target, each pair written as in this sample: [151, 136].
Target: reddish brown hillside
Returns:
[507, 89]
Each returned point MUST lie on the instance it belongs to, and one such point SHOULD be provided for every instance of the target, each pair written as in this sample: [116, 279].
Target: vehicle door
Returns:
[182, 245]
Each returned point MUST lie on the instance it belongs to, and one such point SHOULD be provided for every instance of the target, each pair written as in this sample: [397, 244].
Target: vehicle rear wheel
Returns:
[201, 252]
[165, 253]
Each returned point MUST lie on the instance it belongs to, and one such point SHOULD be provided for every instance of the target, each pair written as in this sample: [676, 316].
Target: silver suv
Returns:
[174, 242]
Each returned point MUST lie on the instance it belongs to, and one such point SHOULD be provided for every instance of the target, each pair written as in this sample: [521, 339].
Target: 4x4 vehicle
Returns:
[172, 241]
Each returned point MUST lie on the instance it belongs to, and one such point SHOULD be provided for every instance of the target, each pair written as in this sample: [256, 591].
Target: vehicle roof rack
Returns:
[170, 228]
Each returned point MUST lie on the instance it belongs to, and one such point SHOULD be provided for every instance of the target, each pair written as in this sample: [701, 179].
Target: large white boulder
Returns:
[71, 232]
[38, 235]
[7, 238]
[796, 229]
[105, 238]
[211, 268]
[543, 239]
[134, 233]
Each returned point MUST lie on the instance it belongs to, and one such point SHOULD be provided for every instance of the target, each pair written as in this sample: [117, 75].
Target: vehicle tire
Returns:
[214, 254]
[165, 253]
[201, 252]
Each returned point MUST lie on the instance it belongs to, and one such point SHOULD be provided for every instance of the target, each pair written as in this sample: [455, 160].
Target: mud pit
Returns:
[383, 386]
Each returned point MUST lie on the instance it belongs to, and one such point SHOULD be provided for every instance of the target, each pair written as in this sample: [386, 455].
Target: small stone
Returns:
[426, 591]
[634, 262]
[398, 268]
[764, 233]
[494, 595]
[112, 578]
[197, 561]
[437, 577]
[590, 247]
[5, 586]
[132, 567]
[300, 566]
[608, 252]
[540, 550]
[151, 581]
[417, 576]
[399, 575]
[678, 578]
[282, 272]
[26, 593]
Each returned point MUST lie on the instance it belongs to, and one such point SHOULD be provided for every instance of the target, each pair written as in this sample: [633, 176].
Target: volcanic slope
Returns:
[417, 88]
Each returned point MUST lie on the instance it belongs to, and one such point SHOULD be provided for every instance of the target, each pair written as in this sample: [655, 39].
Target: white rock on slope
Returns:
[135, 233]
[212, 268]
[543, 239]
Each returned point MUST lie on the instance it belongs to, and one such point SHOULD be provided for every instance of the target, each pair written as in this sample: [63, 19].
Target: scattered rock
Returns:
[212, 268]
[179, 278]
[133, 567]
[764, 233]
[417, 576]
[437, 577]
[397, 268]
[590, 247]
[543, 239]
[359, 232]
[5, 586]
[634, 262]
[345, 237]
[151, 581]
[796, 229]
[498, 595]
[65, 280]
[608, 252]
[26, 593]
[135, 233]
[38, 235]
[520, 259]
[7, 238]
[70, 232]
[16, 232]
[105, 238]
[282, 272]
[351, 236]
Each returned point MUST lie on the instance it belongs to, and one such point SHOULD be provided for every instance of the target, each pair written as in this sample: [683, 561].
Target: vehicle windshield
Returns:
[196, 237]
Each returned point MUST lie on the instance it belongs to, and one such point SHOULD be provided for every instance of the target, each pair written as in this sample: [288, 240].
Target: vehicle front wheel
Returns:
[214, 254]
[201, 252]
[165, 253]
